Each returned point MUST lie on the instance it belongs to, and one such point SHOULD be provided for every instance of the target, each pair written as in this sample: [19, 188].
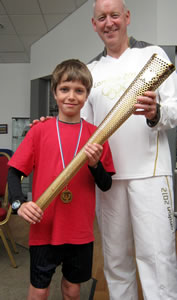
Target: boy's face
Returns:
[70, 97]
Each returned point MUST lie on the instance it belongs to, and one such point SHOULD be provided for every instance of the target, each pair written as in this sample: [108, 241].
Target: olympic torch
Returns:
[155, 71]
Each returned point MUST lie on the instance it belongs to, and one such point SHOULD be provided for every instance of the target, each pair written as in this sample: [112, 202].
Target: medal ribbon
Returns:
[59, 140]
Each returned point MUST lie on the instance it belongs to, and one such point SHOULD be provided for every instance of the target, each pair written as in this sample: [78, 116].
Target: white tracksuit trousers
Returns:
[136, 220]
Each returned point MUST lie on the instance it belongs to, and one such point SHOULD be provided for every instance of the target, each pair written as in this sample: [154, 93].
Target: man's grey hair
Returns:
[123, 2]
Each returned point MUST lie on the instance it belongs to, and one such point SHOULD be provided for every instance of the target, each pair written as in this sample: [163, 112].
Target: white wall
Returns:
[143, 25]
[14, 97]
[73, 38]
[167, 22]
[154, 21]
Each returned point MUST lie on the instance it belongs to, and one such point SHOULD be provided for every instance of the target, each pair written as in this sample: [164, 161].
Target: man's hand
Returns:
[93, 152]
[30, 212]
[42, 119]
[146, 105]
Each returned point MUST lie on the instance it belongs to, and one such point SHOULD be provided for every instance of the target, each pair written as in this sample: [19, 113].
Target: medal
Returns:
[66, 194]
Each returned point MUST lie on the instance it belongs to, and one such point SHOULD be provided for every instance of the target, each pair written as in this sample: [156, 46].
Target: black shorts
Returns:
[76, 261]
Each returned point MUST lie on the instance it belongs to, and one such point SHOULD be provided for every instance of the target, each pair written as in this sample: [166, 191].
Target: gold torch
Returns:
[155, 71]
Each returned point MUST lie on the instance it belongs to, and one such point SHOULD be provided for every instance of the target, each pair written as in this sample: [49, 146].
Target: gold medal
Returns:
[66, 196]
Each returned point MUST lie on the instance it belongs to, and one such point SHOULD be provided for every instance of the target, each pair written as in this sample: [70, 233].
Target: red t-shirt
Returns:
[39, 152]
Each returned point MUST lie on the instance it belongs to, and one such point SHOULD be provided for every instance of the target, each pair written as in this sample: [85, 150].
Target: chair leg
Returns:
[8, 249]
[11, 237]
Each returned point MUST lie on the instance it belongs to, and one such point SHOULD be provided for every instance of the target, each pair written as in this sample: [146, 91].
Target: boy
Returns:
[63, 233]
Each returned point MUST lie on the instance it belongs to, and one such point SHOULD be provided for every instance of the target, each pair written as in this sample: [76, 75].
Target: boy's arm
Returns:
[102, 178]
[29, 210]
[14, 186]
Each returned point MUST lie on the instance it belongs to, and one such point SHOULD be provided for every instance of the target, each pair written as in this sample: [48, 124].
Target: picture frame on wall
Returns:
[3, 128]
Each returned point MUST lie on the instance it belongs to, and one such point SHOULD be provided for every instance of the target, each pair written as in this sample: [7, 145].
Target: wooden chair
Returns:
[5, 209]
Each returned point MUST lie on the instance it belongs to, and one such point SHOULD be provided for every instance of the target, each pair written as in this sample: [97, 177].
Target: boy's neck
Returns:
[70, 120]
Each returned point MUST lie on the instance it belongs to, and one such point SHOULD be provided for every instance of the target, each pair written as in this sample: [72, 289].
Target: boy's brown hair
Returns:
[72, 70]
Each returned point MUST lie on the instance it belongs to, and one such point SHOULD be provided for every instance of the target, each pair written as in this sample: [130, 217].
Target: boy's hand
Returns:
[31, 212]
[93, 152]
[42, 119]
[146, 105]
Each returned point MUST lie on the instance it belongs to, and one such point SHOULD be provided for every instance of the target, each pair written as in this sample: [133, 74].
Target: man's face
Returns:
[110, 22]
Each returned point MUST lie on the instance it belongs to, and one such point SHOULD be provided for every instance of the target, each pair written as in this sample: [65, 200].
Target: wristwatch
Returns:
[15, 206]
[152, 123]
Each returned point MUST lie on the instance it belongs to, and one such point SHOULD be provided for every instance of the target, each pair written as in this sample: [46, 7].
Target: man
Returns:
[137, 213]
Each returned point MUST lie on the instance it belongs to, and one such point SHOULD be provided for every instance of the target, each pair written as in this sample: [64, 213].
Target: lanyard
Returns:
[59, 140]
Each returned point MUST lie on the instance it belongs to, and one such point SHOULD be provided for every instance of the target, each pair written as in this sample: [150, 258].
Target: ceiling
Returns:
[23, 22]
